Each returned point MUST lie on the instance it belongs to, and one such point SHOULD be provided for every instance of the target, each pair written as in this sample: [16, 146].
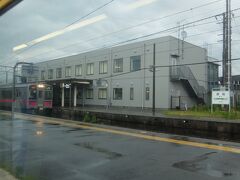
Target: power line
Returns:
[152, 34]
[88, 14]
[153, 20]
[147, 44]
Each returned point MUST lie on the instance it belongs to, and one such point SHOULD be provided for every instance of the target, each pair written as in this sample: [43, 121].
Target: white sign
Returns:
[67, 86]
[220, 97]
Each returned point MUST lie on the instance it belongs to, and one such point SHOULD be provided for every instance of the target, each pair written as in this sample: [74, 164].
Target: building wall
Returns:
[139, 80]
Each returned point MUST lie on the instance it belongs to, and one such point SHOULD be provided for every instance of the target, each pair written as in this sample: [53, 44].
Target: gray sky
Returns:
[32, 19]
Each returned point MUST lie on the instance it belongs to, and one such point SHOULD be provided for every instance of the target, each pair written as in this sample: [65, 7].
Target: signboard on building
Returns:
[221, 97]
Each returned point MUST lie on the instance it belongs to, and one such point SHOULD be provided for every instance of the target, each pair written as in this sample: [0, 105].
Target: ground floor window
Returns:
[117, 93]
[131, 93]
[147, 93]
[102, 93]
[89, 94]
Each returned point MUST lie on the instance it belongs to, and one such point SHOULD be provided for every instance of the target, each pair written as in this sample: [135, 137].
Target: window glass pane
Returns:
[58, 72]
[102, 93]
[135, 63]
[42, 75]
[78, 70]
[90, 69]
[131, 93]
[68, 71]
[147, 93]
[89, 93]
[118, 65]
[117, 93]
[103, 67]
[50, 74]
[32, 92]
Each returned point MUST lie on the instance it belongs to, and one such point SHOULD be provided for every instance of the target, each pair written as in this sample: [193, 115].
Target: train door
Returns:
[32, 97]
[40, 97]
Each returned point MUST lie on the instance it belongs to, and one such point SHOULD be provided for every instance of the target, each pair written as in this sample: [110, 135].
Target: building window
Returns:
[89, 94]
[68, 71]
[43, 75]
[78, 70]
[131, 93]
[118, 65]
[147, 93]
[58, 72]
[90, 69]
[50, 74]
[80, 94]
[135, 63]
[102, 93]
[103, 65]
[117, 93]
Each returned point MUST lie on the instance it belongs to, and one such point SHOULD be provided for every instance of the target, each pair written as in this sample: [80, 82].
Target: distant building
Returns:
[121, 76]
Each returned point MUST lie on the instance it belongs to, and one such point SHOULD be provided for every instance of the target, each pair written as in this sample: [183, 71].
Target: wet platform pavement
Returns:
[38, 150]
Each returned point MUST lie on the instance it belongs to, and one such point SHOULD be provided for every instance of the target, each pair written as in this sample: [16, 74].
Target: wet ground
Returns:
[34, 150]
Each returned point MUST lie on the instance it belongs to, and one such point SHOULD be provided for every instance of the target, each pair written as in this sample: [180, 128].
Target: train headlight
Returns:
[41, 85]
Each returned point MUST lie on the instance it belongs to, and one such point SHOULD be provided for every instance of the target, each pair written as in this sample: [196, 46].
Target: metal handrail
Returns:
[184, 72]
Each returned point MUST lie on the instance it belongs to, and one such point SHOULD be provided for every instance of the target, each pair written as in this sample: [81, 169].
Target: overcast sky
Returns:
[32, 19]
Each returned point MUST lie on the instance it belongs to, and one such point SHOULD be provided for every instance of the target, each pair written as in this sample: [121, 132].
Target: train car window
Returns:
[48, 95]
[18, 93]
[32, 92]
[40, 94]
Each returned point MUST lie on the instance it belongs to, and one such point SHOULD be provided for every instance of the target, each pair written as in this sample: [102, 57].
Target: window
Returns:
[80, 94]
[50, 74]
[117, 93]
[131, 93]
[102, 93]
[135, 63]
[68, 71]
[90, 69]
[147, 93]
[48, 95]
[103, 65]
[40, 94]
[43, 75]
[89, 94]
[118, 65]
[78, 70]
[58, 72]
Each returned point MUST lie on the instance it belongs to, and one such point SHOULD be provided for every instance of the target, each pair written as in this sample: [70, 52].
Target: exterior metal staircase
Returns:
[185, 75]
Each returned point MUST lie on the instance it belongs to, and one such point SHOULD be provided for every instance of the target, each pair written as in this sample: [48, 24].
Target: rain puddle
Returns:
[90, 146]
[200, 165]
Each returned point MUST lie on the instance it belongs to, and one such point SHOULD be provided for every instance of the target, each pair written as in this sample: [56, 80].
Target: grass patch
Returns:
[204, 112]
[89, 118]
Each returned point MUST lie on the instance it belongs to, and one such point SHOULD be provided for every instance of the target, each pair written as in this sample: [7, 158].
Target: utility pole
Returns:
[227, 43]
[154, 78]
[224, 60]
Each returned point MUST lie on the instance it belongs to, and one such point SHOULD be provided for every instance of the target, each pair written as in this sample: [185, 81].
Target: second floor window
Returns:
[103, 65]
[78, 70]
[135, 63]
[43, 75]
[58, 72]
[90, 69]
[68, 71]
[50, 74]
[118, 65]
